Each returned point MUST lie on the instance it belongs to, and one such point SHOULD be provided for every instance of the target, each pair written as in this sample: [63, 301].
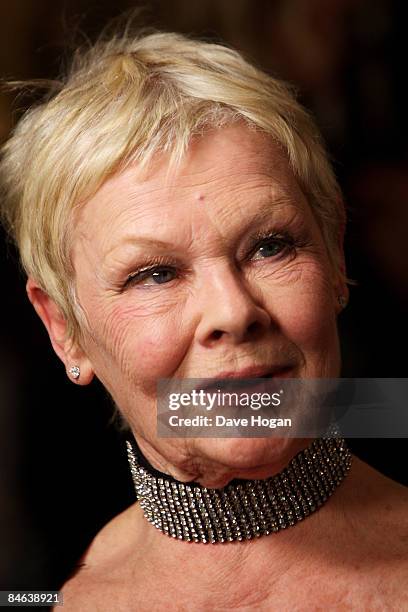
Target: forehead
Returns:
[224, 173]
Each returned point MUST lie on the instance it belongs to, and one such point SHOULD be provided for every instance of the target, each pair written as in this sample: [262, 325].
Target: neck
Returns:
[231, 572]
[231, 575]
[244, 509]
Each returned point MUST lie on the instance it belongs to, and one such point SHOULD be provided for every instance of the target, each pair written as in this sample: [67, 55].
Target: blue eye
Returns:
[269, 244]
[160, 274]
[272, 245]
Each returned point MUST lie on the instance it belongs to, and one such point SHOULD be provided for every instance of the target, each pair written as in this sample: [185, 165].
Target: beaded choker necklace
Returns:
[243, 509]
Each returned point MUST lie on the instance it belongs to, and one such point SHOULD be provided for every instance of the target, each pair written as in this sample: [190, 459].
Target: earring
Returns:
[342, 301]
[75, 371]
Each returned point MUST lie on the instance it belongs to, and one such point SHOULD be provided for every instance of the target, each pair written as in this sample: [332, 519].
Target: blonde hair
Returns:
[124, 100]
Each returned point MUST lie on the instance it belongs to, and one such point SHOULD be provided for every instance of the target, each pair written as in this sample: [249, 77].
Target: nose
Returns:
[230, 312]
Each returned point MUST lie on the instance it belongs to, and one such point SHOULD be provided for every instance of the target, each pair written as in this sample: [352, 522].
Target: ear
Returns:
[340, 287]
[50, 314]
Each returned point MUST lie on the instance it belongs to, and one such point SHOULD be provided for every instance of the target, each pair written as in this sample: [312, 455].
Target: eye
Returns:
[159, 271]
[271, 248]
[271, 245]
[160, 275]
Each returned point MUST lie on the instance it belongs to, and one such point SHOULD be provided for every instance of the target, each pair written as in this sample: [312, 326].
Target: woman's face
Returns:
[241, 278]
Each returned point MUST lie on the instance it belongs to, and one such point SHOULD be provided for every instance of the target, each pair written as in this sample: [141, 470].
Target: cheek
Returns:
[160, 347]
[307, 315]
[145, 348]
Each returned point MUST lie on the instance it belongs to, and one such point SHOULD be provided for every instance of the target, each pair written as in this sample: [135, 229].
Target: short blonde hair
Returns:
[124, 100]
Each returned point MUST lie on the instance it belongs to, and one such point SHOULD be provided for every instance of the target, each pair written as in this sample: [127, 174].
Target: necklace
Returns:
[243, 509]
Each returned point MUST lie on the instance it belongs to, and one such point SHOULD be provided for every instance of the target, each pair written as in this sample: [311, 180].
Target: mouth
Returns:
[248, 378]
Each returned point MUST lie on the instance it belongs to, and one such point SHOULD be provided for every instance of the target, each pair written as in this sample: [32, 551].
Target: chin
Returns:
[249, 458]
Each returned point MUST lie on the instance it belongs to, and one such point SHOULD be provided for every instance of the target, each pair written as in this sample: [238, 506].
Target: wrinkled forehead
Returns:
[225, 174]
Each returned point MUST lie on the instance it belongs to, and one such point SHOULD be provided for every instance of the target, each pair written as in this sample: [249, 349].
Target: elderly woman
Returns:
[178, 218]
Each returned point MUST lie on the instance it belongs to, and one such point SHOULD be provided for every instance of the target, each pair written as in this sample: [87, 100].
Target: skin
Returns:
[225, 306]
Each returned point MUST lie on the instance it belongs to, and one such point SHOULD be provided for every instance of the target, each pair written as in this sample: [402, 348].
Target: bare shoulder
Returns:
[380, 490]
[114, 538]
[380, 513]
[97, 572]
[369, 562]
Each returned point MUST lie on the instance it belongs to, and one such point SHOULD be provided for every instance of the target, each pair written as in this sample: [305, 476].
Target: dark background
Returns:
[63, 469]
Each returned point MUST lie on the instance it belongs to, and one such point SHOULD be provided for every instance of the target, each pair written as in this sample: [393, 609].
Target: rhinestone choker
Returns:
[243, 509]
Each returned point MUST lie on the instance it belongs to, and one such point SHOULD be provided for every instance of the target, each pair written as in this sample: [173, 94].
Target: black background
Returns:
[63, 466]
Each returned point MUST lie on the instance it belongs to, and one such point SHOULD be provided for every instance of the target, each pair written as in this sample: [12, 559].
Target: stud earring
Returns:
[342, 301]
[75, 372]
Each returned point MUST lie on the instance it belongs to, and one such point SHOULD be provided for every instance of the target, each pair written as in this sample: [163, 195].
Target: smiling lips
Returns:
[246, 375]
[266, 371]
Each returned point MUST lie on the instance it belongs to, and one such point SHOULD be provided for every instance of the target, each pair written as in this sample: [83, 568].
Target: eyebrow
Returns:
[267, 208]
